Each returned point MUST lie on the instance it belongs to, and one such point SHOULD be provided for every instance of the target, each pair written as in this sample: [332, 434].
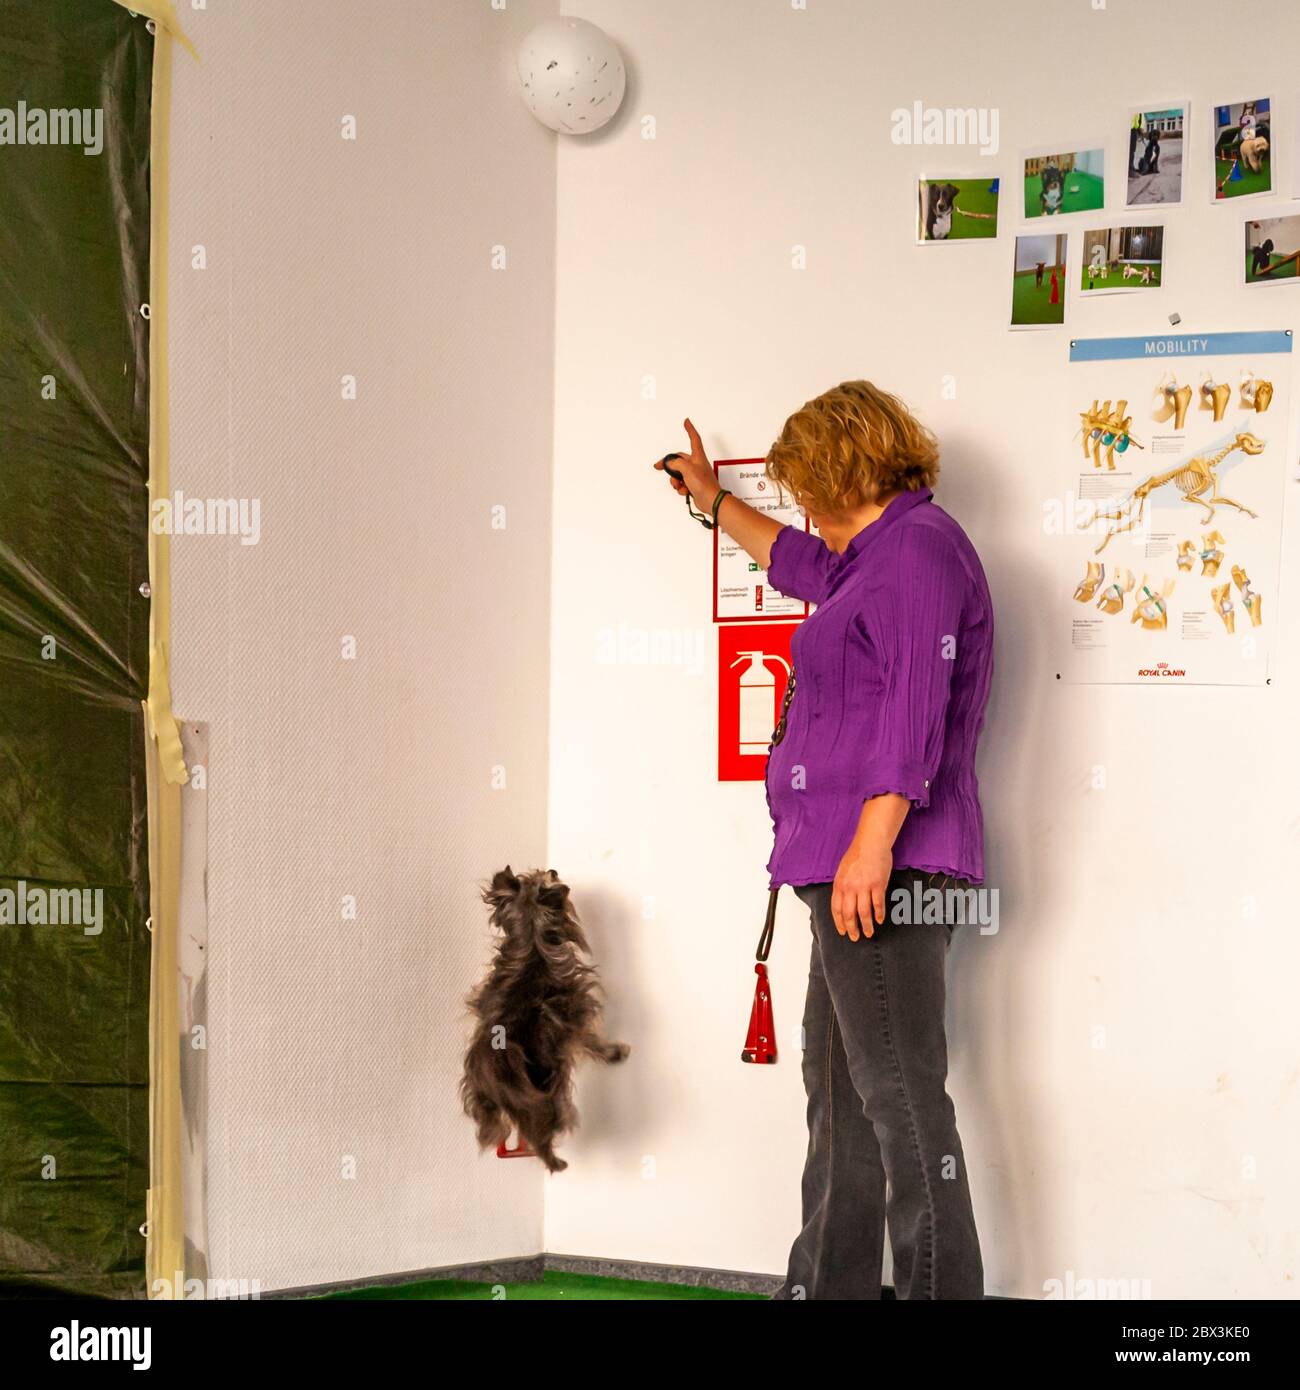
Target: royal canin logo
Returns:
[1162, 668]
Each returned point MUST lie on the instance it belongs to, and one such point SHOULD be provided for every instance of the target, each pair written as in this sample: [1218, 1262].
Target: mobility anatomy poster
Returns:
[741, 592]
[1171, 542]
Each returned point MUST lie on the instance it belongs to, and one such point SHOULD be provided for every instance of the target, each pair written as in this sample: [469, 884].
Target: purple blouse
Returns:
[892, 675]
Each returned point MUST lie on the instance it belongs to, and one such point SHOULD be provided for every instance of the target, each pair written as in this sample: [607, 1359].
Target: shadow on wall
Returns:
[607, 1107]
[991, 1007]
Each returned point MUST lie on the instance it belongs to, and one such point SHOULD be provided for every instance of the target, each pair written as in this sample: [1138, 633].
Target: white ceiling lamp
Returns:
[572, 75]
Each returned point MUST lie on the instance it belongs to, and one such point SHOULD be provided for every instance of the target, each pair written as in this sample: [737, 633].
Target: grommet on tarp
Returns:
[145, 589]
[144, 1229]
[151, 25]
[521, 1151]
[144, 311]
[148, 924]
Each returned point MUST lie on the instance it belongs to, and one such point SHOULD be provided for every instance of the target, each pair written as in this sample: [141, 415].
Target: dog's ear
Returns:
[504, 886]
[951, 189]
[554, 895]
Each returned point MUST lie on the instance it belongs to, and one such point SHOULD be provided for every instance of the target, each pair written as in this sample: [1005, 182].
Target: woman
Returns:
[872, 789]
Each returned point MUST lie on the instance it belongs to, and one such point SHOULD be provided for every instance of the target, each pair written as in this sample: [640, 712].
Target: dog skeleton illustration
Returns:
[1192, 479]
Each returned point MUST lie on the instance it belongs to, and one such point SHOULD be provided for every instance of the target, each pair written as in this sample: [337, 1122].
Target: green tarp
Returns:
[74, 645]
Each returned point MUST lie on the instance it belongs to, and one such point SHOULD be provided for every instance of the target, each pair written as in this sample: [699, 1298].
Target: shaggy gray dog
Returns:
[538, 1011]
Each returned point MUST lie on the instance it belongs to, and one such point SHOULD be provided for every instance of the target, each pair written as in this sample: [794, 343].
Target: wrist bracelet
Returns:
[717, 502]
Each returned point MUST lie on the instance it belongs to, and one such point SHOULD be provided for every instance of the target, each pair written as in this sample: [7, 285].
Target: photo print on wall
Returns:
[1155, 155]
[1272, 250]
[1243, 149]
[957, 209]
[1038, 281]
[1057, 184]
[1121, 259]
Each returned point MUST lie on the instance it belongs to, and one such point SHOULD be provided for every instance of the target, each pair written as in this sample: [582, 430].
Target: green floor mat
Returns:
[554, 1285]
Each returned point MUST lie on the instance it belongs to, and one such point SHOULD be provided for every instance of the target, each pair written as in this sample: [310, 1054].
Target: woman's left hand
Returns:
[860, 887]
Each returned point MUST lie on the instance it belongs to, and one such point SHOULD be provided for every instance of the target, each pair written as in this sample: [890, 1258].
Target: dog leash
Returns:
[769, 924]
[677, 476]
[760, 1042]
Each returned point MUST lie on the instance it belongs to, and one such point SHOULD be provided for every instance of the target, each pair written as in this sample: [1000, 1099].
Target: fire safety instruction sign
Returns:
[1170, 524]
[741, 592]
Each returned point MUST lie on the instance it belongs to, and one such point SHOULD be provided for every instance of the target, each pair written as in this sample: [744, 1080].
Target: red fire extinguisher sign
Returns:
[753, 668]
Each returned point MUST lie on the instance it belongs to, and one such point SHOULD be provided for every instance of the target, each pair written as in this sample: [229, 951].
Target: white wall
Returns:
[371, 777]
[1122, 910]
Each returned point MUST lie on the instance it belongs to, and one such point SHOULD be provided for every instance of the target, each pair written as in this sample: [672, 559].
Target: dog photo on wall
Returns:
[1119, 259]
[1243, 149]
[1057, 184]
[1272, 250]
[1155, 155]
[957, 209]
[1038, 282]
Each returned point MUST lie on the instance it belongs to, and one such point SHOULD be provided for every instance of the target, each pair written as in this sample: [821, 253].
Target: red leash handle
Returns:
[760, 1043]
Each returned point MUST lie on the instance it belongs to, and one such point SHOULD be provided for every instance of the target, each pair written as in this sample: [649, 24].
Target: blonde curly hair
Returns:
[851, 445]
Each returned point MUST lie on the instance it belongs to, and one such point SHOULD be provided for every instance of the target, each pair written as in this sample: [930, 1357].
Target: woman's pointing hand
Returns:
[698, 478]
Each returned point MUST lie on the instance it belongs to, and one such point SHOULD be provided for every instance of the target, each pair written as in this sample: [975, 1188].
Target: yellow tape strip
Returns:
[165, 1244]
[162, 722]
[165, 1213]
[163, 15]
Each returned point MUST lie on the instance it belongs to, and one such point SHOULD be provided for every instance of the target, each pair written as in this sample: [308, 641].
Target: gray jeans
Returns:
[882, 1134]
